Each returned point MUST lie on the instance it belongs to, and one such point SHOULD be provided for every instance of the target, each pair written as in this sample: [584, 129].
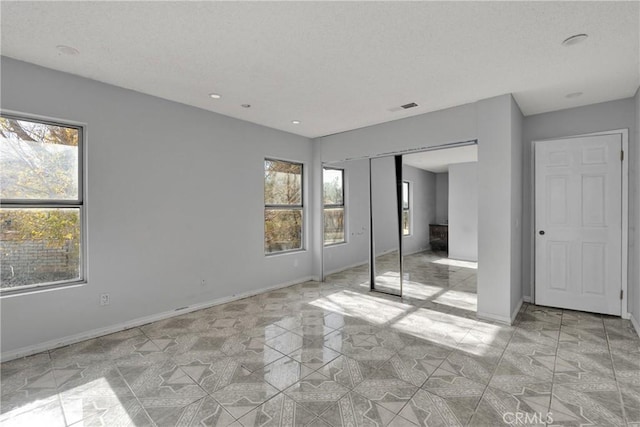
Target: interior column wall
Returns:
[634, 221]
[494, 208]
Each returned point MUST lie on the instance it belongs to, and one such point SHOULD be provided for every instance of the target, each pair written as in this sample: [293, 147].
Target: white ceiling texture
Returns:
[336, 66]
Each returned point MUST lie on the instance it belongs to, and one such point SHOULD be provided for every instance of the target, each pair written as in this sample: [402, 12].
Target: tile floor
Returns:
[334, 354]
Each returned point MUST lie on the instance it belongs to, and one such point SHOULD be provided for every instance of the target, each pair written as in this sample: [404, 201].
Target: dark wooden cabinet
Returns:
[439, 237]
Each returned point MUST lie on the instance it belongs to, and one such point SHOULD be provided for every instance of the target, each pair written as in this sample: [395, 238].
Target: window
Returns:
[282, 206]
[333, 183]
[406, 210]
[42, 210]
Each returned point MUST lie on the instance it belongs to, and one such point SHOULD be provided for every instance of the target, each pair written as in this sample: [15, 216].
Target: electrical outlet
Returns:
[203, 282]
[104, 299]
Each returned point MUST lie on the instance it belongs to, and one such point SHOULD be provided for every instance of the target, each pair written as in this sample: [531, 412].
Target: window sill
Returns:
[289, 252]
[331, 245]
[20, 291]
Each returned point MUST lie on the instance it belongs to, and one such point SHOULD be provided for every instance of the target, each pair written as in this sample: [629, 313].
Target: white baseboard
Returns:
[494, 318]
[635, 323]
[72, 339]
[526, 299]
[502, 319]
[341, 269]
[417, 251]
[462, 258]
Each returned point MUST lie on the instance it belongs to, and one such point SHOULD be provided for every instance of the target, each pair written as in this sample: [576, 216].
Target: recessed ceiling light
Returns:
[215, 96]
[573, 95]
[575, 39]
[67, 50]
[246, 105]
[296, 122]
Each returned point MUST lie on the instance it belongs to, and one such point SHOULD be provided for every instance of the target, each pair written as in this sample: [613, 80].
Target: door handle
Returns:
[541, 232]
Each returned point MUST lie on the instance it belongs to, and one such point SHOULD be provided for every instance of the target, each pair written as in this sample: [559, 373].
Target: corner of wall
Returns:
[316, 243]
[635, 324]
[634, 240]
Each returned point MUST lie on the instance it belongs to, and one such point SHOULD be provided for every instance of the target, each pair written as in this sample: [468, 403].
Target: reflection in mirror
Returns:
[418, 212]
[346, 223]
[439, 224]
[333, 194]
[386, 236]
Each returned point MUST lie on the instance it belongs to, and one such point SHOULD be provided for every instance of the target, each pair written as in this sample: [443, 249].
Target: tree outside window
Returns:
[41, 193]
[283, 212]
[333, 187]
[406, 210]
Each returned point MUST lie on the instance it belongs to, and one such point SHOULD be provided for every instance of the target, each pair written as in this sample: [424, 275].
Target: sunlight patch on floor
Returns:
[46, 411]
[366, 307]
[440, 328]
[459, 299]
[418, 290]
[457, 263]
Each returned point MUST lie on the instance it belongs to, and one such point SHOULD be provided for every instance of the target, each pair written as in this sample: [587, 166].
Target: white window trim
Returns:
[81, 204]
[303, 208]
[343, 206]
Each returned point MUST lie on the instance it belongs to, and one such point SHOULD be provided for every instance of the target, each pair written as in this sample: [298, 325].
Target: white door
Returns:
[578, 208]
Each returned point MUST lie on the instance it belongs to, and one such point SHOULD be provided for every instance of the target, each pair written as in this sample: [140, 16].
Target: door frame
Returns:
[624, 134]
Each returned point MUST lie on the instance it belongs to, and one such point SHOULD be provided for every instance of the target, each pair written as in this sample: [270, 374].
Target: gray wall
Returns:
[442, 198]
[423, 200]
[384, 205]
[427, 130]
[620, 114]
[355, 250]
[160, 176]
[463, 211]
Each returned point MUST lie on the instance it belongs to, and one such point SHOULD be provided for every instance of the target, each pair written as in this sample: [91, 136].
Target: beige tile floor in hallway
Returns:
[334, 354]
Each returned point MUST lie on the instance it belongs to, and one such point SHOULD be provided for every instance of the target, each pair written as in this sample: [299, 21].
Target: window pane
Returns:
[405, 222]
[333, 191]
[38, 161]
[39, 246]
[405, 195]
[282, 183]
[333, 225]
[282, 230]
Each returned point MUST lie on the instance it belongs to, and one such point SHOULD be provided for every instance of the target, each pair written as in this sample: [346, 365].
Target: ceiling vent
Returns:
[404, 107]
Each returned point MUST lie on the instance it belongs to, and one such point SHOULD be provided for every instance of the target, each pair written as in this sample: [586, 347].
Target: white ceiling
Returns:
[336, 66]
[438, 161]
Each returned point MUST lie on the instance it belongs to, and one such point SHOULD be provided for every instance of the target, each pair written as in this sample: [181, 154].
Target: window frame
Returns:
[407, 209]
[334, 206]
[78, 203]
[300, 207]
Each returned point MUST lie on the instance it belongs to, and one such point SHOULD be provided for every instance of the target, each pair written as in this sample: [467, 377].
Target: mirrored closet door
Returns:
[386, 230]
